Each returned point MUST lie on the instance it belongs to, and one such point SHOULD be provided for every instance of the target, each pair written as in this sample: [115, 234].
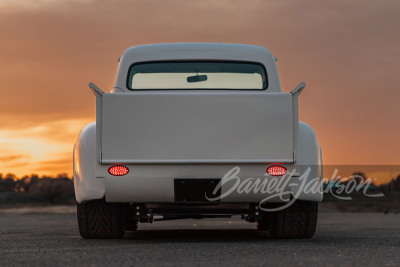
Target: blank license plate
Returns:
[195, 190]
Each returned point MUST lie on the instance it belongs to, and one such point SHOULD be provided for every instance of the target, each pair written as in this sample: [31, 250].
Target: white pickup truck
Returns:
[197, 130]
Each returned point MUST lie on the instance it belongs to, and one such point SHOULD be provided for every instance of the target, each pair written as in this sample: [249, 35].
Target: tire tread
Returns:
[297, 221]
[98, 219]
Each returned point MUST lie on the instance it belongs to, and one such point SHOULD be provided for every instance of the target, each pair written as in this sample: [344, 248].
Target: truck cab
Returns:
[197, 130]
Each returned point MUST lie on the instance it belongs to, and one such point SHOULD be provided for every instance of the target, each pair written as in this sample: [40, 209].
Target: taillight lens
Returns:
[276, 170]
[118, 170]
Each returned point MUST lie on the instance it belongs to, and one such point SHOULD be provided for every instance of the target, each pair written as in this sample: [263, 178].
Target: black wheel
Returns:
[98, 219]
[297, 221]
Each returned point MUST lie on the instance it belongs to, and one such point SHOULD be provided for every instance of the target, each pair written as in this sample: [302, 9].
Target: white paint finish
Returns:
[197, 128]
[198, 51]
[139, 189]
[87, 186]
[308, 154]
[161, 190]
[154, 182]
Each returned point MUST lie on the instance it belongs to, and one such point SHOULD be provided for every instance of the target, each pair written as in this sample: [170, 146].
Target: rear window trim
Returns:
[202, 89]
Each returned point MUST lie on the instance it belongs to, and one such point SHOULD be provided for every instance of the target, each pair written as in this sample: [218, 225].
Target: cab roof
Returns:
[198, 51]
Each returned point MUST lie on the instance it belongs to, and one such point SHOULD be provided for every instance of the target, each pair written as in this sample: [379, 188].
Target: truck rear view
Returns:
[197, 130]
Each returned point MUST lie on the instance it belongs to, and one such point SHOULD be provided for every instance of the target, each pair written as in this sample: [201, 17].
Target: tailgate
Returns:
[194, 127]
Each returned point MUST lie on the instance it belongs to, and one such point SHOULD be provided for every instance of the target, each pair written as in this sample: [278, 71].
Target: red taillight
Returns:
[276, 170]
[118, 170]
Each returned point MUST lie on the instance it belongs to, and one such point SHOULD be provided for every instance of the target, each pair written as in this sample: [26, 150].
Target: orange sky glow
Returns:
[348, 52]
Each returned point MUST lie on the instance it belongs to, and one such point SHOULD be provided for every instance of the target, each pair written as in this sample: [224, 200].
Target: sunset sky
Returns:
[348, 53]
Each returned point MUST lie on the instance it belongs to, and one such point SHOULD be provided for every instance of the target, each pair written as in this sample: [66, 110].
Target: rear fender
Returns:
[87, 186]
[308, 155]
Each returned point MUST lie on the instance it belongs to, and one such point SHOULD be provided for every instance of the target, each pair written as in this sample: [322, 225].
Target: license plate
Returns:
[195, 190]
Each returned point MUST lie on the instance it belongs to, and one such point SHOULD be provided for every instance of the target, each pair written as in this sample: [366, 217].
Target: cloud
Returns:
[45, 147]
[31, 6]
[11, 158]
[56, 166]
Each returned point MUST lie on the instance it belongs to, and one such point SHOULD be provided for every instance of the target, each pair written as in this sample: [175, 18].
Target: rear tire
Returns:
[98, 219]
[297, 221]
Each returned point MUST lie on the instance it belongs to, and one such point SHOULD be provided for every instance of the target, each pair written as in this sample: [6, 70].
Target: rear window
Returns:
[197, 75]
